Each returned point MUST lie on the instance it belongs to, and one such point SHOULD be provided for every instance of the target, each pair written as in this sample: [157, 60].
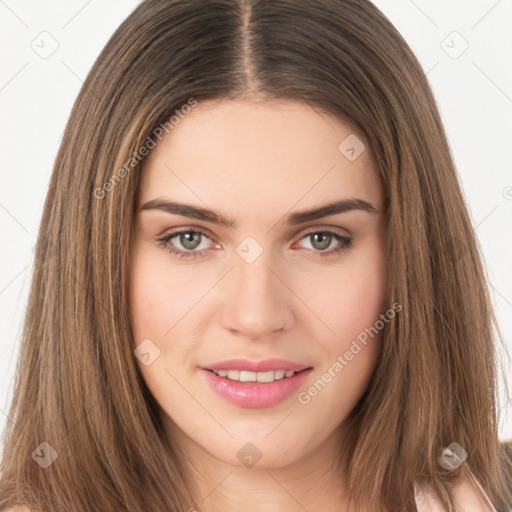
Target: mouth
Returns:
[250, 389]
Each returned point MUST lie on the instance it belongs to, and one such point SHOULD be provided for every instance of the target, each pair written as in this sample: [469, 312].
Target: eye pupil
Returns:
[324, 244]
[190, 240]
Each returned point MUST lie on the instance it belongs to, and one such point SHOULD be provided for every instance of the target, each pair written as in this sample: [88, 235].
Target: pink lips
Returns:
[255, 394]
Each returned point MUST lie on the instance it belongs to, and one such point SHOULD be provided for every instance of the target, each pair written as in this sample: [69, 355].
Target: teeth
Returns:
[233, 374]
[246, 376]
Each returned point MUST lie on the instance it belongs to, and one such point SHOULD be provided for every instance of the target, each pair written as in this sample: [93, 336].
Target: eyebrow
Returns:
[195, 212]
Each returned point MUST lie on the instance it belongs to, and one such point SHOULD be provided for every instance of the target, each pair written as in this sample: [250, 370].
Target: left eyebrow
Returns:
[343, 206]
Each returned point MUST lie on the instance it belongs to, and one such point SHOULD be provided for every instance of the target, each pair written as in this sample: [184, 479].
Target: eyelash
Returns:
[166, 243]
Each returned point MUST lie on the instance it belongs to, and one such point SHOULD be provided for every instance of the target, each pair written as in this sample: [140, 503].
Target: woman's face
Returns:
[262, 271]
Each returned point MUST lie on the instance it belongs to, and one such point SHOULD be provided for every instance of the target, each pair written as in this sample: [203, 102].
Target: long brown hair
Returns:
[78, 387]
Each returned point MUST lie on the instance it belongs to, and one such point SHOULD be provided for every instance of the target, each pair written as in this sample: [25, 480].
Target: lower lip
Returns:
[255, 394]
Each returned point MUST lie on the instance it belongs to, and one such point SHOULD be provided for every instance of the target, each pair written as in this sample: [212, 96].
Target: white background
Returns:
[474, 93]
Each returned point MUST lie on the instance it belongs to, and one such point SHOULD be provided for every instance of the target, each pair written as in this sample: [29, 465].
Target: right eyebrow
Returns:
[187, 210]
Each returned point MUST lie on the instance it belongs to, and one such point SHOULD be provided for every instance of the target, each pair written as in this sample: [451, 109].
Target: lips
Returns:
[264, 392]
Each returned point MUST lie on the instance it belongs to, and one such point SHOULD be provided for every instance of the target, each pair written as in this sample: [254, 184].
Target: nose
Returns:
[257, 302]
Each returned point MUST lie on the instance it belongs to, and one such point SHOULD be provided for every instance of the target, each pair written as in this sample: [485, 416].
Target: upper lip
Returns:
[257, 366]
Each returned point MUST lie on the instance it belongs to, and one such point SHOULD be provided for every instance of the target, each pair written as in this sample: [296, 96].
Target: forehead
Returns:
[260, 155]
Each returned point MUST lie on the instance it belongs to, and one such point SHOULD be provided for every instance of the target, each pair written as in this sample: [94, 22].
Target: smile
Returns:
[255, 389]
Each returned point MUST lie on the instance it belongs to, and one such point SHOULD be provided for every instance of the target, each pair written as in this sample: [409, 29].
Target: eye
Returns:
[321, 241]
[190, 240]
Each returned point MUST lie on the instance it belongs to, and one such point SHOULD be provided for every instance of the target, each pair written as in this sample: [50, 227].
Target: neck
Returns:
[314, 482]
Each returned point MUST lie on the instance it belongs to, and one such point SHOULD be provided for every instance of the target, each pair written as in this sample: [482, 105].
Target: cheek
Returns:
[146, 306]
[155, 309]
[165, 309]
[352, 352]
[160, 297]
[361, 301]
[348, 299]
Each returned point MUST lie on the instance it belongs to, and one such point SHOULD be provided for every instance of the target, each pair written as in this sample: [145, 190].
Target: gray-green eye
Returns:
[321, 241]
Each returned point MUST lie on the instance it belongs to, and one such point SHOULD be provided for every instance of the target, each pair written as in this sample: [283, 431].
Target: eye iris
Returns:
[324, 243]
[187, 240]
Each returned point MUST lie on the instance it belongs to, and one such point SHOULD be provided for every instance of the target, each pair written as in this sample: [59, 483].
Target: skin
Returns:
[257, 163]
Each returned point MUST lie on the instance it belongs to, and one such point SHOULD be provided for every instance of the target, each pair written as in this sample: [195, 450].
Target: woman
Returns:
[248, 285]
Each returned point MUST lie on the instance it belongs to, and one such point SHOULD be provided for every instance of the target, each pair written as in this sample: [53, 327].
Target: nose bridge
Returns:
[256, 303]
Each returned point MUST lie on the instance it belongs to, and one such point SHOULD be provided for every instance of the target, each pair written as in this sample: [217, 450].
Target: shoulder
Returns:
[468, 494]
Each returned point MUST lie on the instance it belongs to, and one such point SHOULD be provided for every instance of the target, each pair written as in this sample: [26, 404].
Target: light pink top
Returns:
[469, 497]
